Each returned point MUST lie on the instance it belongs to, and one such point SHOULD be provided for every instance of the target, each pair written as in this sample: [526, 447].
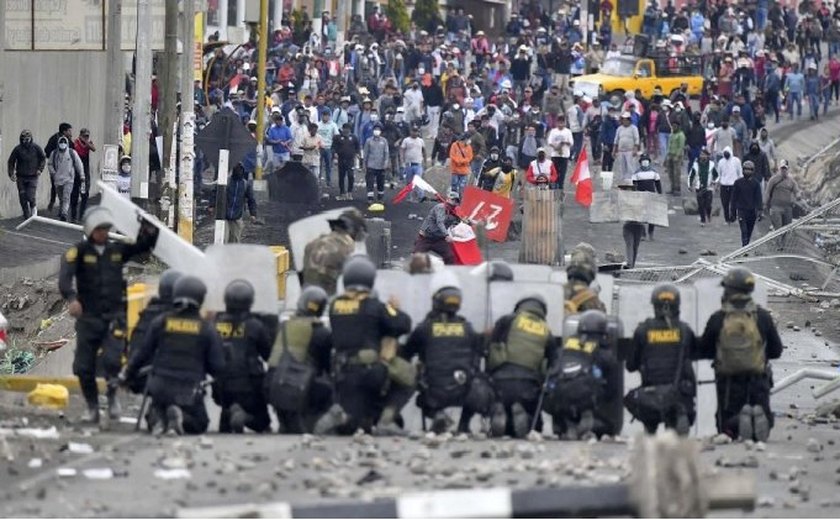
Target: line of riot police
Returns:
[355, 374]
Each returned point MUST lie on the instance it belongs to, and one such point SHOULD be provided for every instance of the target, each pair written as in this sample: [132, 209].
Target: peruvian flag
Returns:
[416, 182]
[582, 180]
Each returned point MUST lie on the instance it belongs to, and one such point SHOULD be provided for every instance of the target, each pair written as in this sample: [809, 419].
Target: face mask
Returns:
[62, 146]
[26, 140]
[645, 163]
[456, 106]
[494, 156]
[374, 117]
[377, 132]
[126, 168]
[727, 155]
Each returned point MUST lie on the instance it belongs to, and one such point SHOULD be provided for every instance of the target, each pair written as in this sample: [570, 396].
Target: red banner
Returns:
[494, 210]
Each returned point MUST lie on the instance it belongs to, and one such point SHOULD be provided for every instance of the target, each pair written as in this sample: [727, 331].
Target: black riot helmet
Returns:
[533, 303]
[592, 323]
[312, 301]
[359, 273]
[666, 301]
[352, 221]
[166, 284]
[239, 296]
[189, 291]
[498, 271]
[739, 280]
[447, 299]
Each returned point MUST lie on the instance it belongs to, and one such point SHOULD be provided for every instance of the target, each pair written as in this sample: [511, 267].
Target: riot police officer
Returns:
[490, 168]
[158, 305]
[183, 348]
[298, 384]
[450, 353]
[324, 257]
[98, 302]
[577, 382]
[741, 338]
[578, 293]
[239, 387]
[663, 347]
[373, 383]
[521, 347]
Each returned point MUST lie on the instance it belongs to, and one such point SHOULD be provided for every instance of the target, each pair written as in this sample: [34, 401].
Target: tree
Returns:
[425, 12]
[398, 14]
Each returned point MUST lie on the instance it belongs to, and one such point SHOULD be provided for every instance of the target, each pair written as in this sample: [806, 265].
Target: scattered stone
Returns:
[796, 328]
[765, 502]
[690, 206]
[773, 475]
[415, 435]
[369, 477]
[205, 443]
[825, 304]
[534, 436]
[790, 324]
[708, 252]
[814, 446]
[683, 251]
[721, 439]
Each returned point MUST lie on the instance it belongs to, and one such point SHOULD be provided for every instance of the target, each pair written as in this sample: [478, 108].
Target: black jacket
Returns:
[746, 197]
[100, 286]
[26, 160]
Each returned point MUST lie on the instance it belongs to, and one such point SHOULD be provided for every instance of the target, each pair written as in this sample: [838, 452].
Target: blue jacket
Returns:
[608, 128]
[240, 191]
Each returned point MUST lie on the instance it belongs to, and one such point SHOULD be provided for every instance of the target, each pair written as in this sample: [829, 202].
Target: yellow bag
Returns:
[54, 397]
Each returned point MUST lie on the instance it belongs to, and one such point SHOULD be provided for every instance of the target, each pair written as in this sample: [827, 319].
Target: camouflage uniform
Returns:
[324, 258]
[581, 272]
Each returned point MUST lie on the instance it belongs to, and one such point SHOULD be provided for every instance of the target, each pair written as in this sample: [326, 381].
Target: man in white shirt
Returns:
[413, 150]
[575, 117]
[729, 169]
[311, 148]
[625, 149]
[560, 142]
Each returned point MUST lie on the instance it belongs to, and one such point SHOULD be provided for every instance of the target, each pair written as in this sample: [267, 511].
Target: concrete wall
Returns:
[43, 89]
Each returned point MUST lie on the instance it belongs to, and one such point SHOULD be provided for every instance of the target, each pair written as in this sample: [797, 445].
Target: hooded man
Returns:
[26, 162]
[729, 169]
[541, 172]
[779, 197]
[65, 166]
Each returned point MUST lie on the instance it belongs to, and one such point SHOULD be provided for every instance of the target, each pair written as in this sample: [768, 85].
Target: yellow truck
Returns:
[631, 73]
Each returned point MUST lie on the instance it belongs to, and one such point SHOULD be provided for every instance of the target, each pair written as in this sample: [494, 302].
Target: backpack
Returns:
[288, 386]
[740, 347]
[573, 305]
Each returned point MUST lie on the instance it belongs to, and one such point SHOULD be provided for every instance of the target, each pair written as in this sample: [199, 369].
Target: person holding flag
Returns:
[434, 233]
[582, 180]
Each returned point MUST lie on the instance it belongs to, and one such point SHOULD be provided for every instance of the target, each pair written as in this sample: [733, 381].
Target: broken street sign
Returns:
[225, 131]
[621, 206]
[492, 209]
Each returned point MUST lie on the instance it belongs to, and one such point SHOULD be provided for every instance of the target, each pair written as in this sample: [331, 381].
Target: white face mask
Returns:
[456, 106]
[377, 132]
[494, 156]
[126, 168]
[645, 163]
[62, 146]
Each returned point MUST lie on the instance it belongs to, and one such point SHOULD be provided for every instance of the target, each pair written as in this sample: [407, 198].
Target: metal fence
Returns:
[800, 259]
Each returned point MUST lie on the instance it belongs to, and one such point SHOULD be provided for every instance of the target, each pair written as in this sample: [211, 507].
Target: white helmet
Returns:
[97, 217]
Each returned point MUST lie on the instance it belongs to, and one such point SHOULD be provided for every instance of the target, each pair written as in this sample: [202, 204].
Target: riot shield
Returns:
[305, 230]
[176, 252]
[229, 262]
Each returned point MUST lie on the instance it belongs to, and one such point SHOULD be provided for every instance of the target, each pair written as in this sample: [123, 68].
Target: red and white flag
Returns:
[416, 182]
[582, 180]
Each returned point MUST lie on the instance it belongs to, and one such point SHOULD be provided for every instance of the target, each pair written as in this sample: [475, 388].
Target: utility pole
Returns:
[2, 67]
[262, 50]
[115, 76]
[187, 149]
[141, 118]
[169, 91]
[342, 21]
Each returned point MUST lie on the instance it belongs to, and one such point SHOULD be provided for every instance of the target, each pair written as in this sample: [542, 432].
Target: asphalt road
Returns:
[797, 471]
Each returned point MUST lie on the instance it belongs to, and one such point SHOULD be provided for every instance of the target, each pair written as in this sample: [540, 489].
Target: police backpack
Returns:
[740, 347]
[289, 383]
